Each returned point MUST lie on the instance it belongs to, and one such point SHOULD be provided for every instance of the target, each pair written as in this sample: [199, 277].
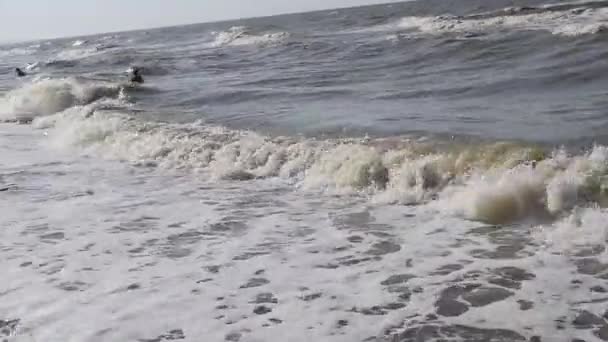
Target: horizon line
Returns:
[29, 40]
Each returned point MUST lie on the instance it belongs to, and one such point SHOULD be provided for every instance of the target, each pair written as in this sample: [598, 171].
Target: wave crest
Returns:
[559, 20]
[489, 182]
[48, 96]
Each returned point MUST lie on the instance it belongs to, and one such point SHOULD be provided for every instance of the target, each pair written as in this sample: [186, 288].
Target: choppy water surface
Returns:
[422, 171]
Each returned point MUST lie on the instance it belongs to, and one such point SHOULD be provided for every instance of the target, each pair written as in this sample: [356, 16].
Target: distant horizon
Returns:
[122, 28]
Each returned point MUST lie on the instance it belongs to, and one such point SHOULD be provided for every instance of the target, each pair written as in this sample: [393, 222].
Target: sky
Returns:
[34, 19]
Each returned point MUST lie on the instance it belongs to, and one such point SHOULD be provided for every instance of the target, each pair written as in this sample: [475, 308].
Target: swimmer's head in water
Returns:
[19, 72]
[136, 76]
[133, 70]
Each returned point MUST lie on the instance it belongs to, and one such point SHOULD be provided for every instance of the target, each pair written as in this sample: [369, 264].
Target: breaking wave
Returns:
[49, 96]
[491, 182]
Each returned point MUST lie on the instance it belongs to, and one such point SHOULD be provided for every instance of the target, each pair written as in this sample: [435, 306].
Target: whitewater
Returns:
[420, 171]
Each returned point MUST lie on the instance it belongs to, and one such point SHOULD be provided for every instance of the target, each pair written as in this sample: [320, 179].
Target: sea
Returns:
[434, 170]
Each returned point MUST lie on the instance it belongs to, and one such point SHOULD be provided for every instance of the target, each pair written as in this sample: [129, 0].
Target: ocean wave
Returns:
[490, 182]
[18, 51]
[58, 63]
[76, 54]
[102, 47]
[579, 29]
[49, 96]
[562, 20]
[82, 51]
[576, 6]
[241, 35]
[79, 42]
[32, 66]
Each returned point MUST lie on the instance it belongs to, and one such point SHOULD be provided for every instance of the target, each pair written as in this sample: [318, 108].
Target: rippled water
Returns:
[422, 171]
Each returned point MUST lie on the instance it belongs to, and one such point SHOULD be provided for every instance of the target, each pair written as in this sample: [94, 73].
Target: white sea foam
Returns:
[577, 231]
[79, 42]
[32, 66]
[152, 255]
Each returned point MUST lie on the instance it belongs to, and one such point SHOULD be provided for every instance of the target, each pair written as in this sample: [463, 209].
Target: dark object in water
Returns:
[136, 76]
[20, 73]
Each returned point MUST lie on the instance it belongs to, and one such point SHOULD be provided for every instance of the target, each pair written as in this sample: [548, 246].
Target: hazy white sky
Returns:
[31, 19]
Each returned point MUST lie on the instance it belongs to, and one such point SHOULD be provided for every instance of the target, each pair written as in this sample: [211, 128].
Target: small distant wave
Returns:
[110, 37]
[33, 66]
[240, 35]
[79, 42]
[49, 96]
[76, 54]
[102, 47]
[60, 63]
[576, 6]
[565, 20]
[18, 51]
[574, 30]
[81, 51]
